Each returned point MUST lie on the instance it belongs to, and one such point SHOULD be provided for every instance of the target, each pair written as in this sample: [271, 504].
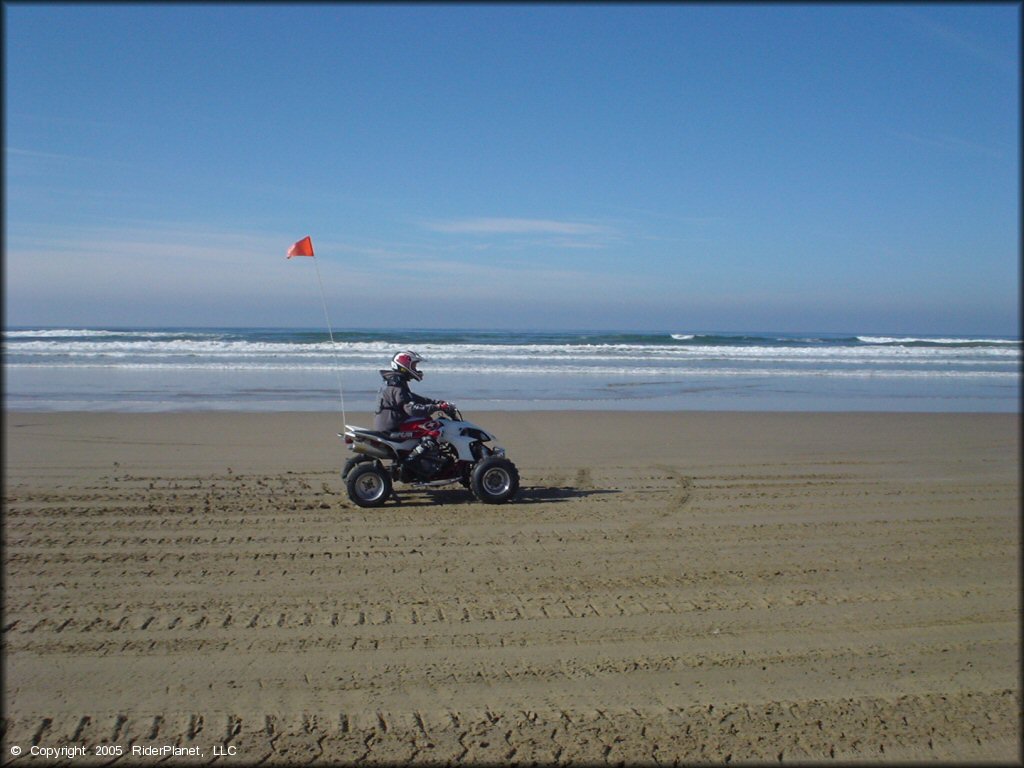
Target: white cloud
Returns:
[178, 274]
[510, 226]
[31, 153]
[952, 144]
[961, 40]
[168, 262]
[29, 158]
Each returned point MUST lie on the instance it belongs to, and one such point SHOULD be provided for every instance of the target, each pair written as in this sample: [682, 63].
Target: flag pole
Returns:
[334, 346]
[304, 247]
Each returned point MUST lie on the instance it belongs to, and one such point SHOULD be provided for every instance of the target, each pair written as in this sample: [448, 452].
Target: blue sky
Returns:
[648, 167]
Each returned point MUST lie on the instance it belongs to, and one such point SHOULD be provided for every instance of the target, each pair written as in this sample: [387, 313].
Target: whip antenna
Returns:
[304, 247]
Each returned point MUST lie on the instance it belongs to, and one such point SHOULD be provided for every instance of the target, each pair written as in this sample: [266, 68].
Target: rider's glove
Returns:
[444, 406]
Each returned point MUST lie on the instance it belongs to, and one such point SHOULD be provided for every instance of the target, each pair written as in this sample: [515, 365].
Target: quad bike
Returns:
[427, 453]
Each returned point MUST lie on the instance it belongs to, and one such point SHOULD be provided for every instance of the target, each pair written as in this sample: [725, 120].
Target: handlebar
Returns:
[451, 412]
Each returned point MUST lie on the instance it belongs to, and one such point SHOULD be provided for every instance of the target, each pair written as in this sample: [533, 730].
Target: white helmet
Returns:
[405, 363]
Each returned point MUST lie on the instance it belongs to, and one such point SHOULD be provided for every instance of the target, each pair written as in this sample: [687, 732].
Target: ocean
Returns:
[269, 369]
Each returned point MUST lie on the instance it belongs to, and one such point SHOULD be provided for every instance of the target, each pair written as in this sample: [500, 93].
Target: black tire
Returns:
[494, 480]
[368, 485]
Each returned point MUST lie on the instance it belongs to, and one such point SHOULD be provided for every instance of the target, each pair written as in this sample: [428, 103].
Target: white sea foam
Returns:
[532, 370]
[924, 340]
[86, 333]
[380, 350]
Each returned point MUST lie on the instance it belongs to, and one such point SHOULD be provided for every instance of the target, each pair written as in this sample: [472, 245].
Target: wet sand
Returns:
[691, 587]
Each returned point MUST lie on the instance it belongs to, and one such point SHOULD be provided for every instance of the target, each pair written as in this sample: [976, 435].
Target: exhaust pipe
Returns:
[371, 449]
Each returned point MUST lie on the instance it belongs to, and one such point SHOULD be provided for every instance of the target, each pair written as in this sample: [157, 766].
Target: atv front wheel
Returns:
[368, 485]
[494, 480]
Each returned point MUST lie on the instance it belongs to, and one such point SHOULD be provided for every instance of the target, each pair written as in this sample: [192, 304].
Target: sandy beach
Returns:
[668, 587]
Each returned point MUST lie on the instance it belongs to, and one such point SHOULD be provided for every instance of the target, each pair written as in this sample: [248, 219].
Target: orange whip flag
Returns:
[302, 248]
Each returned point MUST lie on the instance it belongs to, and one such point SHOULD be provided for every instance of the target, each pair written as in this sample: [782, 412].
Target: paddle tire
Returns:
[494, 480]
[368, 485]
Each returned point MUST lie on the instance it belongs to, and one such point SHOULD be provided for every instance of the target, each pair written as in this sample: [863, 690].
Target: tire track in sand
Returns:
[696, 617]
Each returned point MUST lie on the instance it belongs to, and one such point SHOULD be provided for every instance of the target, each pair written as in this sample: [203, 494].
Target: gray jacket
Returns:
[396, 403]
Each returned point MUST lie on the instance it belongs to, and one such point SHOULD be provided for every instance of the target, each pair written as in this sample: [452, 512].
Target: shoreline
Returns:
[814, 585]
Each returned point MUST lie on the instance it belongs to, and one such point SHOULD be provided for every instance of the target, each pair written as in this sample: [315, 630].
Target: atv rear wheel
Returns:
[494, 480]
[368, 485]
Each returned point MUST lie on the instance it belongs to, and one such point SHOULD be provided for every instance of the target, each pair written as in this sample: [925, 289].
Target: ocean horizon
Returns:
[286, 369]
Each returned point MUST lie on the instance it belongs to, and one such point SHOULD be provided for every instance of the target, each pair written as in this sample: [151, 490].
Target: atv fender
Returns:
[353, 462]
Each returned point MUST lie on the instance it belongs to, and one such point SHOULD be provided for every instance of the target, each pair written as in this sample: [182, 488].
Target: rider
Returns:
[395, 402]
